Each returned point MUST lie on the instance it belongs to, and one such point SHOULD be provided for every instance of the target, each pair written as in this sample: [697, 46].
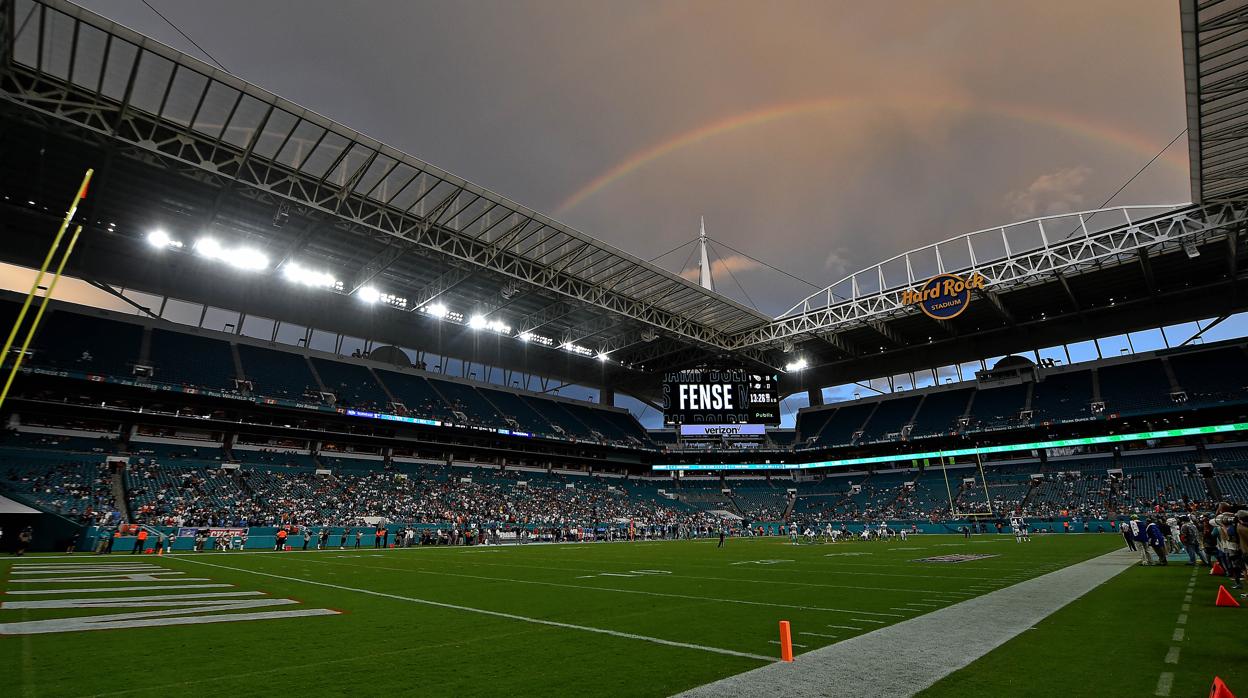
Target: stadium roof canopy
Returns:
[182, 146]
[1215, 72]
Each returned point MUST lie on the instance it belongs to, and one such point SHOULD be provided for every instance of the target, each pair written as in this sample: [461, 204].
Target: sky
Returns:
[818, 137]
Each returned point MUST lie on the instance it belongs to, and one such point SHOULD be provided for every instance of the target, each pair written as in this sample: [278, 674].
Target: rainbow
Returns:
[1070, 123]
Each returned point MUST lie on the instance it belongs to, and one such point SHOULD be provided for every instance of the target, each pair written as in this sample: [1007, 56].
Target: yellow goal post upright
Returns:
[953, 513]
[35, 286]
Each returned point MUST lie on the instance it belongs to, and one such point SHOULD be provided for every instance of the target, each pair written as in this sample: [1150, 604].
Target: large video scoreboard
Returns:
[721, 396]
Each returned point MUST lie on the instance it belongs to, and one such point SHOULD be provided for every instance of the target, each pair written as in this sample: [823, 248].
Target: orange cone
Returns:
[1219, 689]
[786, 642]
[1225, 598]
[1217, 570]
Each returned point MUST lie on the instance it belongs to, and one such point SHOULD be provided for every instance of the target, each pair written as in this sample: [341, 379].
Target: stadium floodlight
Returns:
[478, 322]
[160, 240]
[245, 258]
[796, 365]
[309, 277]
[602, 356]
[208, 247]
[368, 294]
[499, 327]
[248, 259]
[437, 310]
[524, 336]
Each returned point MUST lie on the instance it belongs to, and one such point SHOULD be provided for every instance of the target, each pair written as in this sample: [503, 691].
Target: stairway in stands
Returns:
[118, 486]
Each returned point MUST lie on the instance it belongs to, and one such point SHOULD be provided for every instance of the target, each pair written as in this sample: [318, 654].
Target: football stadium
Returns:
[287, 408]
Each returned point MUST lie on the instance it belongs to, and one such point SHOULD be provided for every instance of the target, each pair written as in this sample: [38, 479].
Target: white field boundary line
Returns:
[622, 591]
[496, 614]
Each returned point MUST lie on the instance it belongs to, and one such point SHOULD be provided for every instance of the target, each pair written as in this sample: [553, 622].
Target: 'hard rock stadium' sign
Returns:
[944, 296]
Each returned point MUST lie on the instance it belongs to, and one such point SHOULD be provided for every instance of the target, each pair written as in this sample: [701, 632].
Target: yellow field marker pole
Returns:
[34, 288]
[34, 325]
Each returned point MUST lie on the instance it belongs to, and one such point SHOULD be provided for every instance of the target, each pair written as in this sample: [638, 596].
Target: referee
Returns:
[722, 528]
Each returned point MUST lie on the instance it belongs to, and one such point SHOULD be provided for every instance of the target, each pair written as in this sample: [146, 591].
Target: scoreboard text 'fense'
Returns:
[721, 396]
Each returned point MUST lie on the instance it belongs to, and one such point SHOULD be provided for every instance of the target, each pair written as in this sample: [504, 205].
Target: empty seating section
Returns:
[514, 407]
[197, 454]
[187, 359]
[763, 502]
[595, 420]
[84, 343]
[337, 461]
[939, 413]
[889, 418]
[1062, 396]
[559, 417]
[104, 443]
[996, 408]
[844, 424]
[1233, 485]
[276, 373]
[782, 438]
[466, 399]
[276, 458]
[1134, 387]
[809, 424]
[352, 384]
[1228, 457]
[416, 395]
[1212, 377]
[625, 422]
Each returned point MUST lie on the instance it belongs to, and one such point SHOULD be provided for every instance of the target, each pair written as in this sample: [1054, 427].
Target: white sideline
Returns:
[496, 614]
[908, 657]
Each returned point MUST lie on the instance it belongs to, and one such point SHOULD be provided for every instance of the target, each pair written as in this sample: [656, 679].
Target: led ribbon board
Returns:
[980, 450]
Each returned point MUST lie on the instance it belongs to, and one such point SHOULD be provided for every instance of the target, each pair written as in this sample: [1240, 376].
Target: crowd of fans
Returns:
[206, 496]
[187, 489]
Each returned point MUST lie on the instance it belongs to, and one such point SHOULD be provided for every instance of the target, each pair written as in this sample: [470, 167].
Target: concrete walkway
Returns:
[907, 657]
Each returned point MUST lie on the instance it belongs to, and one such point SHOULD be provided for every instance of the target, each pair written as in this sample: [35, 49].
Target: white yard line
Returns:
[1164, 683]
[496, 614]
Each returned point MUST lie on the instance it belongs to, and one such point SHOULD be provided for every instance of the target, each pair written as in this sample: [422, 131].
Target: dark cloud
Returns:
[937, 117]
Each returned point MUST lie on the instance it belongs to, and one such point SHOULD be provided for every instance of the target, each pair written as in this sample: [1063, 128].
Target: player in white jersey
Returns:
[829, 535]
[1016, 525]
[902, 532]
[793, 533]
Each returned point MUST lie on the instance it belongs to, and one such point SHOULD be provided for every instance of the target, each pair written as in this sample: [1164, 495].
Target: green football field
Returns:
[646, 618]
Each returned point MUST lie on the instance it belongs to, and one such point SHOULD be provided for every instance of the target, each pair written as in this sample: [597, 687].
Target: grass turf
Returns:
[1116, 641]
[398, 640]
